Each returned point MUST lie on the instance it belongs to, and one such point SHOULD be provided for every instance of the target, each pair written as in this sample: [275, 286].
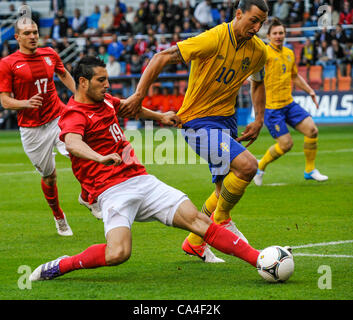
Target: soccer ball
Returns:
[275, 264]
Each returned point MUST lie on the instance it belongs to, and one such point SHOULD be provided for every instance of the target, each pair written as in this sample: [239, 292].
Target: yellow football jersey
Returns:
[219, 66]
[279, 69]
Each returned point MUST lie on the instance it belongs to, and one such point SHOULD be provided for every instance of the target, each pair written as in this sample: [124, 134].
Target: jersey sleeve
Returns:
[72, 121]
[259, 72]
[6, 77]
[116, 104]
[258, 76]
[202, 46]
[59, 66]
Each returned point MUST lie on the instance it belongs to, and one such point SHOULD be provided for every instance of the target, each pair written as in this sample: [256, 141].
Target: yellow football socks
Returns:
[273, 153]
[231, 191]
[208, 207]
[310, 150]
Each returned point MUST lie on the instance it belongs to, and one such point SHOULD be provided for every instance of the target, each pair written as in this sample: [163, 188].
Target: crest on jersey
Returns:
[277, 127]
[224, 147]
[48, 61]
[245, 64]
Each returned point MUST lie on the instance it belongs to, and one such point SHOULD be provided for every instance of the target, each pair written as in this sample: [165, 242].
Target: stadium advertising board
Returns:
[334, 106]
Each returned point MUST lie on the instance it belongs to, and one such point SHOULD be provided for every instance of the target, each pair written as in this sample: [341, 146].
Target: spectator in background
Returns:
[129, 49]
[176, 99]
[56, 32]
[156, 98]
[187, 27]
[307, 56]
[346, 15]
[166, 103]
[63, 20]
[102, 54]
[78, 22]
[188, 17]
[106, 19]
[113, 67]
[135, 65]
[56, 5]
[138, 26]
[163, 44]
[173, 15]
[324, 35]
[324, 54]
[92, 21]
[348, 56]
[130, 15]
[118, 16]
[152, 14]
[116, 47]
[121, 5]
[281, 10]
[296, 11]
[314, 8]
[124, 28]
[338, 54]
[339, 34]
[140, 46]
[203, 13]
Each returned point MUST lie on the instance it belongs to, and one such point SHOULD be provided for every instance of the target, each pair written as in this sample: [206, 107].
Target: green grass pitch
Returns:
[315, 218]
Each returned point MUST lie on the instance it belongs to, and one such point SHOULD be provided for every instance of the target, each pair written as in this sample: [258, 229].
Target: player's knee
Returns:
[249, 169]
[51, 179]
[313, 133]
[118, 255]
[287, 146]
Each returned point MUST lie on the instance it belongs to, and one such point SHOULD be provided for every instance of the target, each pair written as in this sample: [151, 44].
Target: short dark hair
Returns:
[275, 23]
[245, 5]
[84, 68]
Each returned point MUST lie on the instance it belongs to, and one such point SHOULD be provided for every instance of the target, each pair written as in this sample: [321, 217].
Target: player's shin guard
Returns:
[51, 195]
[232, 190]
[228, 243]
[208, 207]
[92, 257]
[310, 150]
[272, 154]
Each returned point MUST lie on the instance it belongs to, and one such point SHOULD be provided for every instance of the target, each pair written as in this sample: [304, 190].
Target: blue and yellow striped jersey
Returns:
[279, 69]
[219, 66]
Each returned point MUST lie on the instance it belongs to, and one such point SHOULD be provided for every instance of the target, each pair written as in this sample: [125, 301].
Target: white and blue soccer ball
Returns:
[275, 264]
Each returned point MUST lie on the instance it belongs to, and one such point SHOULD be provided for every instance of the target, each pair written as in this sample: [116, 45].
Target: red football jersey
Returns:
[25, 75]
[99, 127]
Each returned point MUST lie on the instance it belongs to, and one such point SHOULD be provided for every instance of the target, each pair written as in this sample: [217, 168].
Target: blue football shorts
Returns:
[213, 139]
[276, 120]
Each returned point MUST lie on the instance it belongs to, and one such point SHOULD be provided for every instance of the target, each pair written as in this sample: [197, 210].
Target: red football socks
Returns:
[51, 195]
[227, 242]
[92, 257]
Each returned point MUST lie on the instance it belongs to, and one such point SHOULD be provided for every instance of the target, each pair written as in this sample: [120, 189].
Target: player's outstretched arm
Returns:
[77, 147]
[258, 96]
[13, 104]
[300, 82]
[158, 62]
[168, 118]
[68, 81]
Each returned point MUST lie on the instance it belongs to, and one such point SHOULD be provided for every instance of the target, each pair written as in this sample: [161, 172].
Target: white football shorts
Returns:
[142, 198]
[39, 142]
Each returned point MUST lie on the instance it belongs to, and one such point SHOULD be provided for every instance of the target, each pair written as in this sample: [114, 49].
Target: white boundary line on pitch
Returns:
[30, 172]
[322, 244]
